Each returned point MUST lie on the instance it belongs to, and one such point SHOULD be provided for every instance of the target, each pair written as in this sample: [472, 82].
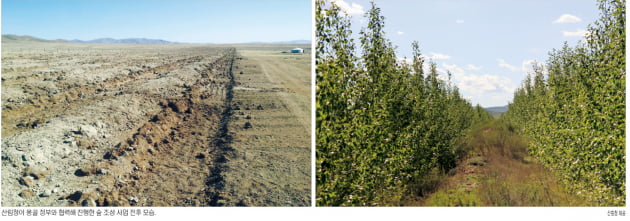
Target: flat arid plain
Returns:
[155, 125]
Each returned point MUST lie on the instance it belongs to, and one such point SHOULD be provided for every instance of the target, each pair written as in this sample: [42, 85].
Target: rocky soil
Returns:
[141, 125]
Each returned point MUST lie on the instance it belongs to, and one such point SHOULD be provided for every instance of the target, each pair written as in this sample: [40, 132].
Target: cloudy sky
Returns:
[193, 21]
[488, 45]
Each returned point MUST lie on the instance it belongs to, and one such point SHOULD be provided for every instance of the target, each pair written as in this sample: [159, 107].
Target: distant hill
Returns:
[294, 42]
[126, 41]
[25, 38]
[496, 111]
[500, 109]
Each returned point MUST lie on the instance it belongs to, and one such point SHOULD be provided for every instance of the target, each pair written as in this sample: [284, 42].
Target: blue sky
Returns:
[488, 45]
[192, 21]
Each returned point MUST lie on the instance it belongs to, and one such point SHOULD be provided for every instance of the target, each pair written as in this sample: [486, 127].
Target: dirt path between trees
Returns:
[498, 171]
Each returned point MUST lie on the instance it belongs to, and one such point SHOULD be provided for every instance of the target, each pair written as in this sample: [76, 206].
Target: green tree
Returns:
[383, 127]
[575, 117]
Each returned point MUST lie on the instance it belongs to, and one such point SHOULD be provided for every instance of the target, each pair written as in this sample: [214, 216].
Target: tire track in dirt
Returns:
[270, 161]
[288, 98]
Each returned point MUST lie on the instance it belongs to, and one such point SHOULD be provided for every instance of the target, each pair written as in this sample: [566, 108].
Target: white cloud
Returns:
[578, 33]
[567, 18]
[438, 56]
[527, 66]
[507, 97]
[400, 33]
[504, 64]
[457, 71]
[496, 97]
[405, 60]
[459, 21]
[442, 75]
[439, 70]
[471, 67]
[485, 84]
[435, 56]
[478, 86]
[350, 9]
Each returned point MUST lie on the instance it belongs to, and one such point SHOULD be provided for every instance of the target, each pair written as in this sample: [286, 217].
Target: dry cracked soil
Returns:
[155, 125]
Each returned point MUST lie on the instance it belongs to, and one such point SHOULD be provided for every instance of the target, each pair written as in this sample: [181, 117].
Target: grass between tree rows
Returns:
[497, 171]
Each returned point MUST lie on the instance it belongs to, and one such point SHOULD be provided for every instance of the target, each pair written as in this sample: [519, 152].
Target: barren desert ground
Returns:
[155, 125]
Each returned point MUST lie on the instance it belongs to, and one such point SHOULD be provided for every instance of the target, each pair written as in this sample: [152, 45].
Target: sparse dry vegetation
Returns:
[498, 171]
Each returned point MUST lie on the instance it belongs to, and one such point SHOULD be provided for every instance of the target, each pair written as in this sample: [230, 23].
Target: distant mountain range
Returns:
[26, 38]
[496, 112]
[9, 38]
[294, 42]
[498, 109]
[15, 38]
[125, 41]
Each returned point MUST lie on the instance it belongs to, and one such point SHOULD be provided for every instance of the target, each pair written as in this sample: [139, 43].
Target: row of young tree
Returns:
[575, 115]
[384, 126]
